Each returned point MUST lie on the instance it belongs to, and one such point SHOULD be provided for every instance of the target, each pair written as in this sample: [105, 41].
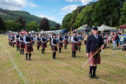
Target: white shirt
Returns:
[72, 40]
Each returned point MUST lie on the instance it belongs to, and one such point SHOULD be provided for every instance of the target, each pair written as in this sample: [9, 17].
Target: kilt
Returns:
[94, 60]
[28, 47]
[54, 48]
[74, 46]
[60, 45]
[38, 43]
[17, 42]
[43, 45]
[21, 45]
[79, 44]
[65, 42]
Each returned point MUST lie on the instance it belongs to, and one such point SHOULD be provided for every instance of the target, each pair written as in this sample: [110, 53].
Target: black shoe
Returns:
[72, 54]
[90, 75]
[94, 76]
[53, 57]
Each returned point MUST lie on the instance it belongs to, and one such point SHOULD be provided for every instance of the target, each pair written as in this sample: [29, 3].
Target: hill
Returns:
[13, 15]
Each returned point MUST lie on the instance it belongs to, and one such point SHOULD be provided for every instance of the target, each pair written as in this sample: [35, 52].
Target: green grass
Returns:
[64, 70]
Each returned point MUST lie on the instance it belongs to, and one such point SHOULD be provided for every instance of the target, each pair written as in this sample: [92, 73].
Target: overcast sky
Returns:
[51, 9]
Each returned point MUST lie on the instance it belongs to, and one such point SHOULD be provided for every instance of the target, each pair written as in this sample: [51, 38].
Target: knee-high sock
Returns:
[54, 55]
[94, 70]
[29, 56]
[22, 51]
[43, 51]
[59, 50]
[91, 70]
[73, 53]
[37, 47]
[26, 56]
[79, 48]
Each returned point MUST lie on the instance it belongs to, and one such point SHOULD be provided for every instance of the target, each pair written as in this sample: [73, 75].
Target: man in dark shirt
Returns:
[94, 43]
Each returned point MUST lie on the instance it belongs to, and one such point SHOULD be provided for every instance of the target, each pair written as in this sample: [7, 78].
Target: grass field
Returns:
[14, 69]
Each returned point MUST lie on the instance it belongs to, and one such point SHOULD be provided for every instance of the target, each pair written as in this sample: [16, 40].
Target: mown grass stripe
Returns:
[14, 64]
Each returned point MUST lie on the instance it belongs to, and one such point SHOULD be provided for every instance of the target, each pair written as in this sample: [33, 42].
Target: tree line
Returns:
[108, 12]
[20, 24]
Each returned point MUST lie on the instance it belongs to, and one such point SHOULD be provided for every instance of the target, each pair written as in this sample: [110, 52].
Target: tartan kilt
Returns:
[43, 45]
[79, 44]
[21, 45]
[94, 60]
[54, 48]
[38, 43]
[65, 42]
[17, 42]
[28, 47]
[60, 45]
[74, 46]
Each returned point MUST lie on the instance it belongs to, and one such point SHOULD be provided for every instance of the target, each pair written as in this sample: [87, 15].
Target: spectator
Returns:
[117, 40]
[121, 40]
[114, 40]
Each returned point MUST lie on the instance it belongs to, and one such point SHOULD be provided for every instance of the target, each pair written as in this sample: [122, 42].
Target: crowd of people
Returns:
[117, 40]
[93, 41]
[24, 42]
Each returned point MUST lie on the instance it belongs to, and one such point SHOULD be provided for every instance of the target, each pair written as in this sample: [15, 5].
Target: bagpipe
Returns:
[94, 55]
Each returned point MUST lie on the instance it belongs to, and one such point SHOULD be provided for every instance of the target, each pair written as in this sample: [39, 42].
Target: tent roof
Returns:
[84, 27]
[105, 28]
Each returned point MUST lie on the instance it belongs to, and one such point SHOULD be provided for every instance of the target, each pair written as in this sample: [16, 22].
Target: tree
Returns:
[106, 12]
[44, 25]
[22, 22]
[32, 26]
[84, 17]
[123, 14]
[10, 25]
[67, 21]
[2, 25]
[57, 26]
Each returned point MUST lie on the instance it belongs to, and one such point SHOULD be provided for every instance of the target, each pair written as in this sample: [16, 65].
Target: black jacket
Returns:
[94, 44]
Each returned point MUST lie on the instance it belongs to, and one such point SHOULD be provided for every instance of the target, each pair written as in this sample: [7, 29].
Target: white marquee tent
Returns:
[84, 27]
[105, 28]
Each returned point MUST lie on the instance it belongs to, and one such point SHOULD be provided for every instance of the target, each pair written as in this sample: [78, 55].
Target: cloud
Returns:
[68, 9]
[15, 4]
[48, 17]
[72, 0]
[84, 2]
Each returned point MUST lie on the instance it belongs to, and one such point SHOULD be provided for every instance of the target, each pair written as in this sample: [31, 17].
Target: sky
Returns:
[52, 9]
